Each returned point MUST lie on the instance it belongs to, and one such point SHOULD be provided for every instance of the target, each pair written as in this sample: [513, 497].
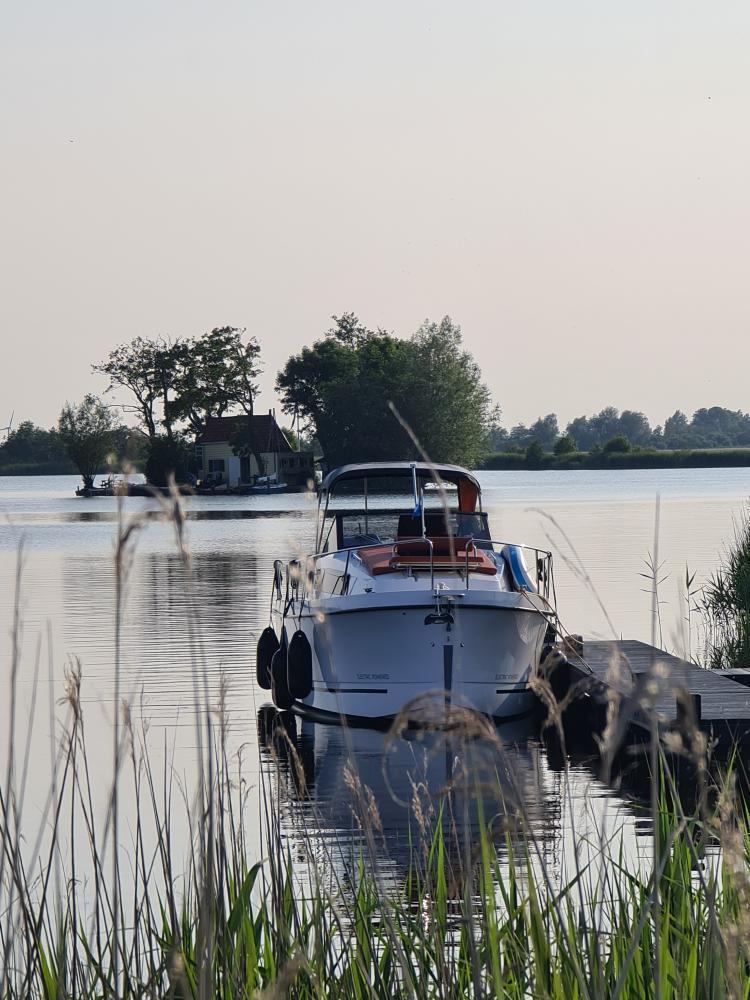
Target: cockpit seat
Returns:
[414, 554]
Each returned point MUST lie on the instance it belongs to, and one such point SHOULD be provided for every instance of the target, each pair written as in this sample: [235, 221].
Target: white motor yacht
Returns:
[402, 600]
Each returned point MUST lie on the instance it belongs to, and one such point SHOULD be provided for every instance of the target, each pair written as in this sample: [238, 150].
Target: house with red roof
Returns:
[217, 454]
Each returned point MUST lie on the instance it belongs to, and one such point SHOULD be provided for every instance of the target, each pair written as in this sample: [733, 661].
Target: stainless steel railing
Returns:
[305, 580]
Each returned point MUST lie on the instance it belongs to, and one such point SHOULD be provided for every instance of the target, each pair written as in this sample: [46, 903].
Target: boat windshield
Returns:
[347, 529]
[387, 501]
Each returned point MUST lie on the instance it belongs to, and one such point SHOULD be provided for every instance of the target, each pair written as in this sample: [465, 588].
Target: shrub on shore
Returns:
[726, 604]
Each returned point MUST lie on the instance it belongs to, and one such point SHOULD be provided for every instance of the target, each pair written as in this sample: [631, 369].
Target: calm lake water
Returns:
[599, 524]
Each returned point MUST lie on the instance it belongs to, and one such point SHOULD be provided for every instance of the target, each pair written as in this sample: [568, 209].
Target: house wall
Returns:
[219, 457]
[295, 468]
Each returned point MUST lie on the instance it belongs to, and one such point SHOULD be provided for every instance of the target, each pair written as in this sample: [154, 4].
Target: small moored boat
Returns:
[397, 601]
[266, 484]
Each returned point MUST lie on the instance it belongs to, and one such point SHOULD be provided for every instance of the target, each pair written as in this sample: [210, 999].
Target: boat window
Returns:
[446, 522]
[475, 524]
[354, 530]
[389, 493]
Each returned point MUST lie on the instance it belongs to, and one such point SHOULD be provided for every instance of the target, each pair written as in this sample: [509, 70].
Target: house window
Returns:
[216, 465]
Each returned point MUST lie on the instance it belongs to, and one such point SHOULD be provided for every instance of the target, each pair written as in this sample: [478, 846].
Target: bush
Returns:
[565, 445]
[534, 453]
[88, 433]
[169, 456]
[618, 443]
[726, 605]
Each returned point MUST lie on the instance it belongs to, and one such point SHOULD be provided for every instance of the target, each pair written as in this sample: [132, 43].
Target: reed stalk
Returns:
[475, 912]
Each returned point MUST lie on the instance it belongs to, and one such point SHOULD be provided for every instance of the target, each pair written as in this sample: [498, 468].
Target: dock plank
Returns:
[647, 679]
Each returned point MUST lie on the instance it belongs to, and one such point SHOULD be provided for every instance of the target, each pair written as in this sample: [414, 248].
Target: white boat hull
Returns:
[370, 662]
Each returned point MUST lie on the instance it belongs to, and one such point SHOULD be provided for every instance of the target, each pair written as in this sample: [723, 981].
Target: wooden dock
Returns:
[653, 687]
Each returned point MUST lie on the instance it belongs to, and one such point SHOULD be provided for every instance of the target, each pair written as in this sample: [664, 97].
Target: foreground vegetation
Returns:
[458, 925]
[181, 906]
[725, 604]
[473, 916]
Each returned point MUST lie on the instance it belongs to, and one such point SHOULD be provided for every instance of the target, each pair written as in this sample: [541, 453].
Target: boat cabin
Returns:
[436, 502]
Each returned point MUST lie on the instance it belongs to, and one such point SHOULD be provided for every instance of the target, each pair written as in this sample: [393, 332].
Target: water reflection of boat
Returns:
[396, 602]
[354, 788]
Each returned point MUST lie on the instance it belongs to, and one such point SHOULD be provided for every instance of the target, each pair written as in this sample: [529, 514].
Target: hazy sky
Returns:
[569, 181]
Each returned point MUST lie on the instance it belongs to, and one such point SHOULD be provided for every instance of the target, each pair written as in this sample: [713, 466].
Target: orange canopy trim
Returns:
[468, 494]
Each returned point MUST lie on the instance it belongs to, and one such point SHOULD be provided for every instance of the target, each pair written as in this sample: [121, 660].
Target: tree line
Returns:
[712, 427]
[357, 394]
[171, 386]
[45, 451]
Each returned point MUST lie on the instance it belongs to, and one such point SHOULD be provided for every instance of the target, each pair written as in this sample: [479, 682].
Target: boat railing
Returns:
[308, 578]
[430, 551]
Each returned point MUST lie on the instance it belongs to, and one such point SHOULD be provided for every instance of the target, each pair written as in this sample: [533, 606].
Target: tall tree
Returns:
[217, 370]
[342, 385]
[580, 430]
[138, 368]
[718, 427]
[443, 396]
[605, 424]
[546, 431]
[635, 427]
[241, 385]
[87, 431]
[340, 388]
[186, 381]
[677, 430]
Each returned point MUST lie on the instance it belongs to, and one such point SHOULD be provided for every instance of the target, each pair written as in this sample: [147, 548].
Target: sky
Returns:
[570, 182]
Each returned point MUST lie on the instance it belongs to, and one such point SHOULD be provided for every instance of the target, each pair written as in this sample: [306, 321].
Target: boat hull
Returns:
[372, 663]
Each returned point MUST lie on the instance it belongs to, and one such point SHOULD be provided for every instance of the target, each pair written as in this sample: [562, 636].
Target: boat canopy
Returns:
[468, 486]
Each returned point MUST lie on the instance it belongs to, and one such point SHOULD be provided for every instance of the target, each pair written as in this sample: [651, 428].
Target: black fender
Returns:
[280, 693]
[299, 666]
[267, 646]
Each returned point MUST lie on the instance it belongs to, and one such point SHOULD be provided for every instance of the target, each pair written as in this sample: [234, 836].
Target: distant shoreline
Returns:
[691, 458]
[39, 469]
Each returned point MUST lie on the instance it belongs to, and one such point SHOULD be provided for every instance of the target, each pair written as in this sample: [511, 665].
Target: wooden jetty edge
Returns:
[652, 684]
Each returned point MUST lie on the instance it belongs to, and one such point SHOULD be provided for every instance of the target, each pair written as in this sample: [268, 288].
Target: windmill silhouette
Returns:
[5, 432]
